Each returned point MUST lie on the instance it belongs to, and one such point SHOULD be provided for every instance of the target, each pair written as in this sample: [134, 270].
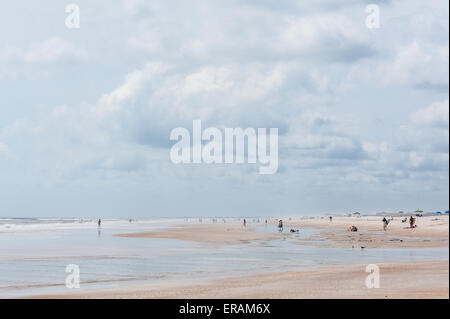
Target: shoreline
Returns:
[418, 280]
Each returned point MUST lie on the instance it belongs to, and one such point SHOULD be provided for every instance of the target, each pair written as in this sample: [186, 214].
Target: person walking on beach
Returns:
[244, 223]
[280, 225]
[412, 220]
[385, 223]
[331, 219]
[99, 222]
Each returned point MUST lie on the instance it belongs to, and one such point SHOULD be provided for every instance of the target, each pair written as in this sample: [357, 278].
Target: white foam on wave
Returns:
[49, 224]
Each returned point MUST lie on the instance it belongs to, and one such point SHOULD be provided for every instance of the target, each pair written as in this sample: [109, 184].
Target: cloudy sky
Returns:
[86, 114]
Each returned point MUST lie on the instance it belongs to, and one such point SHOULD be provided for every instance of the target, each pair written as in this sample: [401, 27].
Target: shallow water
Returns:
[33, 262]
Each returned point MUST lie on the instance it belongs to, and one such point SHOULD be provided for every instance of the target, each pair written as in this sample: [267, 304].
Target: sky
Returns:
[86, 113]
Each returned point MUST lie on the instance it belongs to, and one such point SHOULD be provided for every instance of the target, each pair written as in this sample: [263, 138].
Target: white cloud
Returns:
[312, 69]
[331, 36]
[406, 62]
[131, 86]
[258, 81]
[60, 111]
[131, 6]
[51, 50]
[415, 63]
[207, 80]
[435, 115]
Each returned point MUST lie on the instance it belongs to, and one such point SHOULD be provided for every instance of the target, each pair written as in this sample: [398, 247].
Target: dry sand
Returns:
[429, 226]
[397, 280]
[431, 232]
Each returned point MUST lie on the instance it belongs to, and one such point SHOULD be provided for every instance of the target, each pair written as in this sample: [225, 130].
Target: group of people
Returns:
[412, 222]
[280, 226]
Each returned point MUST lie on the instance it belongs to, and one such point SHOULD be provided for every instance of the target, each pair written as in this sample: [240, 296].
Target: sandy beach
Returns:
[397, 280]
[418, 279]
[187, 259]
[431, 232]
[217, 234]
[428, 227]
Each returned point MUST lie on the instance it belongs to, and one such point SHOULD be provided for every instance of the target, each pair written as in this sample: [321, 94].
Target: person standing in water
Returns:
[280, 225]
[99, 223]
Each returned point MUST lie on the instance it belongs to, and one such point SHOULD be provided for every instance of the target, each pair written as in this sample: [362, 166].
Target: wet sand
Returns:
[231, 233]
[422, 279]
[431, 232]
[397, 280]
